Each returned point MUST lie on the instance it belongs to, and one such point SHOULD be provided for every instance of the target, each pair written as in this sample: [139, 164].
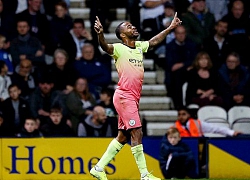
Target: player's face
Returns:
[173, 139]
[30, 125]
[183, 116]
[129, 30]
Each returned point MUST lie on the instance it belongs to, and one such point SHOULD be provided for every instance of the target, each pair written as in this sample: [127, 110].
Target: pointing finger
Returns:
[97, 19]
[175, 15]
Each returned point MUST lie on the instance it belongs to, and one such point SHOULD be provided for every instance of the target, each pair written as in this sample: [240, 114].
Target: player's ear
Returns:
[122, 35]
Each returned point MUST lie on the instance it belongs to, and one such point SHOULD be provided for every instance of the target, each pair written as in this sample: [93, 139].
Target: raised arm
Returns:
[108, 48]
[157, 39]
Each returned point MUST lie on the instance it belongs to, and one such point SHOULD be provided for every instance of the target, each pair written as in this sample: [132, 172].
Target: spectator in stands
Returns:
[239, 31]
[43, 98]
[95, 124]
[180, 54]
[218, 46]
[7, 25]
[198, 21]
[29, 129]
[218, 8]
[202, 82]
[10, 6]
[60, 24]
[163, 21]
[62, 74]
[150, 10]
[106, 101]
[176, 158]
[49, 6]
[5, 130]
[5, 81]
[181, 6]
[73, 41]
[189, 127]
[4, 55]
[246, 5]
[26, 46]
[57, 126]
[233, 79]
[94, 69]
[15, 109]
[21, 5]
[38, 23]
[79, 102]
[133, 13]
[26, 78]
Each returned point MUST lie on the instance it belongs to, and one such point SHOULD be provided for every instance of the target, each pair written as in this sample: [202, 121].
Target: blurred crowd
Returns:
[54, 80]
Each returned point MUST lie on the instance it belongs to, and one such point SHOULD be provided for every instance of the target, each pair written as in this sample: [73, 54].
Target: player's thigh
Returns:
[128, 112]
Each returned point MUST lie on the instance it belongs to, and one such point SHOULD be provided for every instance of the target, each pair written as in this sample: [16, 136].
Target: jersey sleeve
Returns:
[143, 44]
[116, 51]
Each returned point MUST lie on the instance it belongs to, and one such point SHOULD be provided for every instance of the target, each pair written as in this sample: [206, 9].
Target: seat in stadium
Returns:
[215, 115]
[239, 118]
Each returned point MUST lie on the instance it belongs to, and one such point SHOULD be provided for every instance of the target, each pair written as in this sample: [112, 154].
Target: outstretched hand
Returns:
[175, 22]
[98, 26]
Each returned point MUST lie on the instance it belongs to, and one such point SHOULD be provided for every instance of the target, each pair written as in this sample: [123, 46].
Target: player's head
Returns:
[126, 30]
[173, 136]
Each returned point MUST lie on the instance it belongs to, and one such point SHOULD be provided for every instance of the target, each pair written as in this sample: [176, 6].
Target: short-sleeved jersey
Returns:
[129, 65]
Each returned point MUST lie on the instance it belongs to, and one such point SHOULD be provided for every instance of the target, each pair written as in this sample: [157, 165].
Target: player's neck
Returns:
[129, 43]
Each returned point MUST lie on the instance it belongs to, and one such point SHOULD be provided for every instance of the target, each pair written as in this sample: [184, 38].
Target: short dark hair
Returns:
[108, 91]
[2, 64]
[79, 20]
[183, 108]
[235, 54]
[56, 109]
[118, 31]
[63, 4]
[13, 85]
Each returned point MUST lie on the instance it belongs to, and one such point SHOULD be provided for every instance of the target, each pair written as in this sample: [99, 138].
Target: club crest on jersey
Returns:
[140, 51]
[131, 122]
